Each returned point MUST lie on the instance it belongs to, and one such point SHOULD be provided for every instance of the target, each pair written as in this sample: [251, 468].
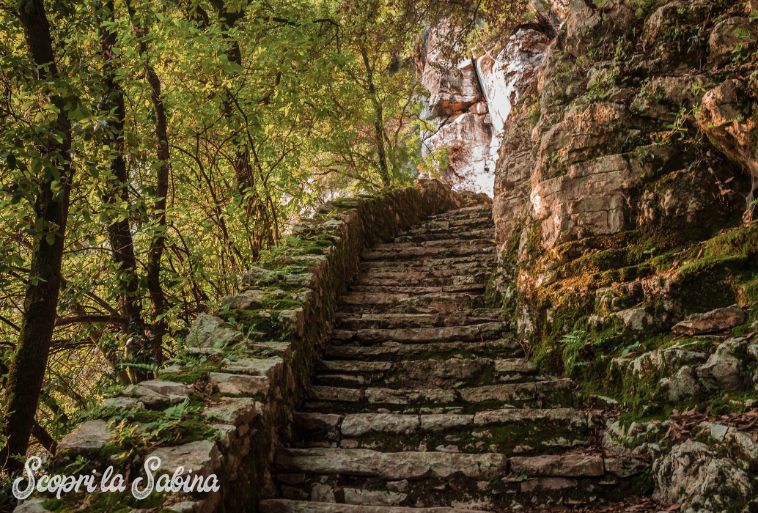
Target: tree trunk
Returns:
[27, 369]
[158, 241]
[381, 151]
[262, 233]
[117, 193]
[44, 438]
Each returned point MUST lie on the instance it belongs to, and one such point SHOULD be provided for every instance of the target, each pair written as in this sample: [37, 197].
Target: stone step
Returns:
[451, 226]
[437, 243]
[398, 302]
[507, 431]
[400, 272]
[475, 287]
[414, 252]
[352, 321]
[484, 210]
[391, 466]
[332, 399]
[462, 264]
[501, 348]
[470, 332]
[487, 481]
[294, 506]
[420, 279]
[477, 233]
[408, 373]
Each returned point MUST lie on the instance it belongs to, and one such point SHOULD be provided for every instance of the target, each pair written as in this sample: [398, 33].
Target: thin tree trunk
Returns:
[158, 241]
[44, 438]
[117, 193]
[381, 151]
[27, 369]
[244, 173]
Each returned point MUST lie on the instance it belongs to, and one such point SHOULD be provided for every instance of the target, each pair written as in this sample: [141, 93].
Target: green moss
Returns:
[193, 370]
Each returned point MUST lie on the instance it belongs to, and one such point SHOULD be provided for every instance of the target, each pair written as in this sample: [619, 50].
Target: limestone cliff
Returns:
[470, 100]
[624, 204]
[635, 143]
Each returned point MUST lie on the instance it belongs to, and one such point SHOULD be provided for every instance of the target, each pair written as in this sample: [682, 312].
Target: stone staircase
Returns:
[424, 402]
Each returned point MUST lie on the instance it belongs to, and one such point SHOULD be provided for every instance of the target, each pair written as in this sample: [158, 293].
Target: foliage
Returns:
[270, 109]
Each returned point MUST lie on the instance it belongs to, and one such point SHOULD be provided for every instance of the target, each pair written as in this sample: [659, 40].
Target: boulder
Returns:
[694, 476]
[32, 506]
[232, 410]
[152, 398]
[729, 35]
[239, 384]
[168, 388]
[726, 368]
[635, 319]
[202, 457]
[209, 331]
[89, 436]
[720, 319]
[682, 385]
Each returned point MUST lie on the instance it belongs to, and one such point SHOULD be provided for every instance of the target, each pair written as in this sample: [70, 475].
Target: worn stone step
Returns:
[414, 252]
[456, 215]
[391, 466]
[507, 494]
[452, 225]
[462, 264]
[458, 265]
[294, 506]
[469, 332]
[477, 233]
[404, 275]
[551, 392]
[411, 479]
[506, 431]
[485, 210]
[390, 302]
[411, 465]
[504, 347]
[455, 371]
[475, 287]
[420, 279]
[353, 321]
[455, 242]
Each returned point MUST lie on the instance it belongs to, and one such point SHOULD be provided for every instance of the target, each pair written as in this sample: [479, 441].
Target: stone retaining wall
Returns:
[226, 400]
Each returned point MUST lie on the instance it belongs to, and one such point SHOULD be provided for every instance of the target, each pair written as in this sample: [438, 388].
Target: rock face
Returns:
[726, 117]
[624, 205]
[594, 139]
[470, 100]
[633, 139]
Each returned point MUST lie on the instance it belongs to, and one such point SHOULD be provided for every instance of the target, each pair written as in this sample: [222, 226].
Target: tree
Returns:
[54, 179]
[116, 195]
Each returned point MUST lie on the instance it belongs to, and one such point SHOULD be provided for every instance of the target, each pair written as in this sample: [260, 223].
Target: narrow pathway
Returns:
[424, 402]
